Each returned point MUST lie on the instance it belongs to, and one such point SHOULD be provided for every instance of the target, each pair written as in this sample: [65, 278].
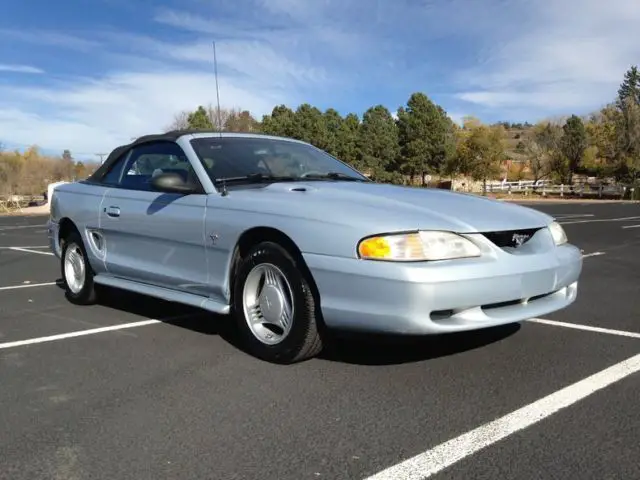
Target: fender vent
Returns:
[96, 243]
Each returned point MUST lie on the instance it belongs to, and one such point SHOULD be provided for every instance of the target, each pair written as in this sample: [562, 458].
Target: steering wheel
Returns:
[311, 172]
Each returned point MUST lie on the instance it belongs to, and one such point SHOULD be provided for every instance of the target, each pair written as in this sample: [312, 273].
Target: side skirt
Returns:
[197, 301]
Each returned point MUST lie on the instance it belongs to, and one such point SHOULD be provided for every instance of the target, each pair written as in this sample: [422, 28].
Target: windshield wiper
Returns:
[255, 178]
[264, 178]
[333, 176]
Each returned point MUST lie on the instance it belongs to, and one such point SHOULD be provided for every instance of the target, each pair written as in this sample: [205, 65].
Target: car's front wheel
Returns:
[77, 274]
[275, 307]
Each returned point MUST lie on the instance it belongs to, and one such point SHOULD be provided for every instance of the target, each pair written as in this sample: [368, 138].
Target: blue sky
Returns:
[89, 75]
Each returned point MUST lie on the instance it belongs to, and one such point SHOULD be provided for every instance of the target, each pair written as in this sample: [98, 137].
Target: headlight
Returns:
[417, 246]
[558, 234]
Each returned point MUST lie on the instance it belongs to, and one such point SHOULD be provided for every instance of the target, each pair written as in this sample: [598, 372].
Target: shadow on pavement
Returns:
[363, 349]
[171, 313]
[342, 347]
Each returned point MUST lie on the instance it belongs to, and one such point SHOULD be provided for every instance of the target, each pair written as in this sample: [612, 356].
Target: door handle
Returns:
[113, 211]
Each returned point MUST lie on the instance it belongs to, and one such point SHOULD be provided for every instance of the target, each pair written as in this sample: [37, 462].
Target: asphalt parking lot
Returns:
[108, 391]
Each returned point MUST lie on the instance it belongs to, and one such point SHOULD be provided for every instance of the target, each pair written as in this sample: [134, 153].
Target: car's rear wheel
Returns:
[275, 307]
[77, 274]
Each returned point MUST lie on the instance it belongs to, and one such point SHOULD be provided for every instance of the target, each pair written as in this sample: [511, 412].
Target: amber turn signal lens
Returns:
[374, 247]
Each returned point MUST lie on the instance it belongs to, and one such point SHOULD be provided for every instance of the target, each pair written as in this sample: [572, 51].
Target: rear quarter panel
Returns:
[80, 203]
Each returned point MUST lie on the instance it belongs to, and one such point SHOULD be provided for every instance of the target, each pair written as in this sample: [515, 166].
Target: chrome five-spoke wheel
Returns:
[274, 304]
[267, 300]
[74, 268]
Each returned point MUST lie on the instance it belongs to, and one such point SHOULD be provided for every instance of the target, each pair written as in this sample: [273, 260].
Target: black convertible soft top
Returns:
[117, 152]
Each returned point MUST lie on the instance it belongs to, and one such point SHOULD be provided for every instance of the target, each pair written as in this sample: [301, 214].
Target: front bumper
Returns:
[448, 296]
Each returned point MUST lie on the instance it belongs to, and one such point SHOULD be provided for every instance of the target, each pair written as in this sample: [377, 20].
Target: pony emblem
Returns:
[519, 238]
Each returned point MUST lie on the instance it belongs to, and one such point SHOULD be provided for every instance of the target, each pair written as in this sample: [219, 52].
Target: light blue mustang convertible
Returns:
[288, 240]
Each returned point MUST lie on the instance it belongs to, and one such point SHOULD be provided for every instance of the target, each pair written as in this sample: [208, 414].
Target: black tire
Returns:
[303, 340]
[87, 294]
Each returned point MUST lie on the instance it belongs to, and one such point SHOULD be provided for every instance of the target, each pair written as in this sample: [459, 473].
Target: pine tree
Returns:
[630, 87]
[199, 120]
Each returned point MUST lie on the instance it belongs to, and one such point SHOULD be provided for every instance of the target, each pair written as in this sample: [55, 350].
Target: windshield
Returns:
[268, 158]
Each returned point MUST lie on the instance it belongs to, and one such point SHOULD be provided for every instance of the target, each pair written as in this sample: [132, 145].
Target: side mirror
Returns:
[172, 183]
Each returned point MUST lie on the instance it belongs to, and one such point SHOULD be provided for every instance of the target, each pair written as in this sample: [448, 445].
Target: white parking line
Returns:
[28, 285]
[563, 216]
[448, 453]
[621, 219]
[631, 226]
[28, 250]
[594, 254]
[80, 333]
[588, 328]
[28, 246]
[18, 227]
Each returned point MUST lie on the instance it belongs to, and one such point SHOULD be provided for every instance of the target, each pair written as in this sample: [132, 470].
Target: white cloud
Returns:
[48, 39]
[154, 79]
[96, 116]
[457, 117]
[209, 26]
[54, 134]
[298, 11]
[253, 59]
[557, 96]
[274, 54]
[20, 69]
[259, 60]
[571, 56]
[542, 57]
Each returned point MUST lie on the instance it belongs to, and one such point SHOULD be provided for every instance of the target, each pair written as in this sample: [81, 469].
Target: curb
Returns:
[573, 200]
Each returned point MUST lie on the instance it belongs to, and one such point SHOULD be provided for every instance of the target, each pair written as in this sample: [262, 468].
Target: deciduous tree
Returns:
[572, 145]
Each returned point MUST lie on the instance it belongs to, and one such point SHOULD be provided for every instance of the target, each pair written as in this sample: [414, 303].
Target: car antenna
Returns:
[215, 70]
[224, 191]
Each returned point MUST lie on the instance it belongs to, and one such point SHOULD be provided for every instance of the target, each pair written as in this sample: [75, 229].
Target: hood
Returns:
[391, 207]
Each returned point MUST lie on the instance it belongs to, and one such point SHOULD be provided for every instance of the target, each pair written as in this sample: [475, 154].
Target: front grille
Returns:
[511, 238]
[511, 303]
[444, 315]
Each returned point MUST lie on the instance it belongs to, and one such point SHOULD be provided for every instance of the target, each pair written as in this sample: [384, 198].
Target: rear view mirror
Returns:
[172, 183]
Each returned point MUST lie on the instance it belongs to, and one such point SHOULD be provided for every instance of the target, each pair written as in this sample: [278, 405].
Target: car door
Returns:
[153, 237]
